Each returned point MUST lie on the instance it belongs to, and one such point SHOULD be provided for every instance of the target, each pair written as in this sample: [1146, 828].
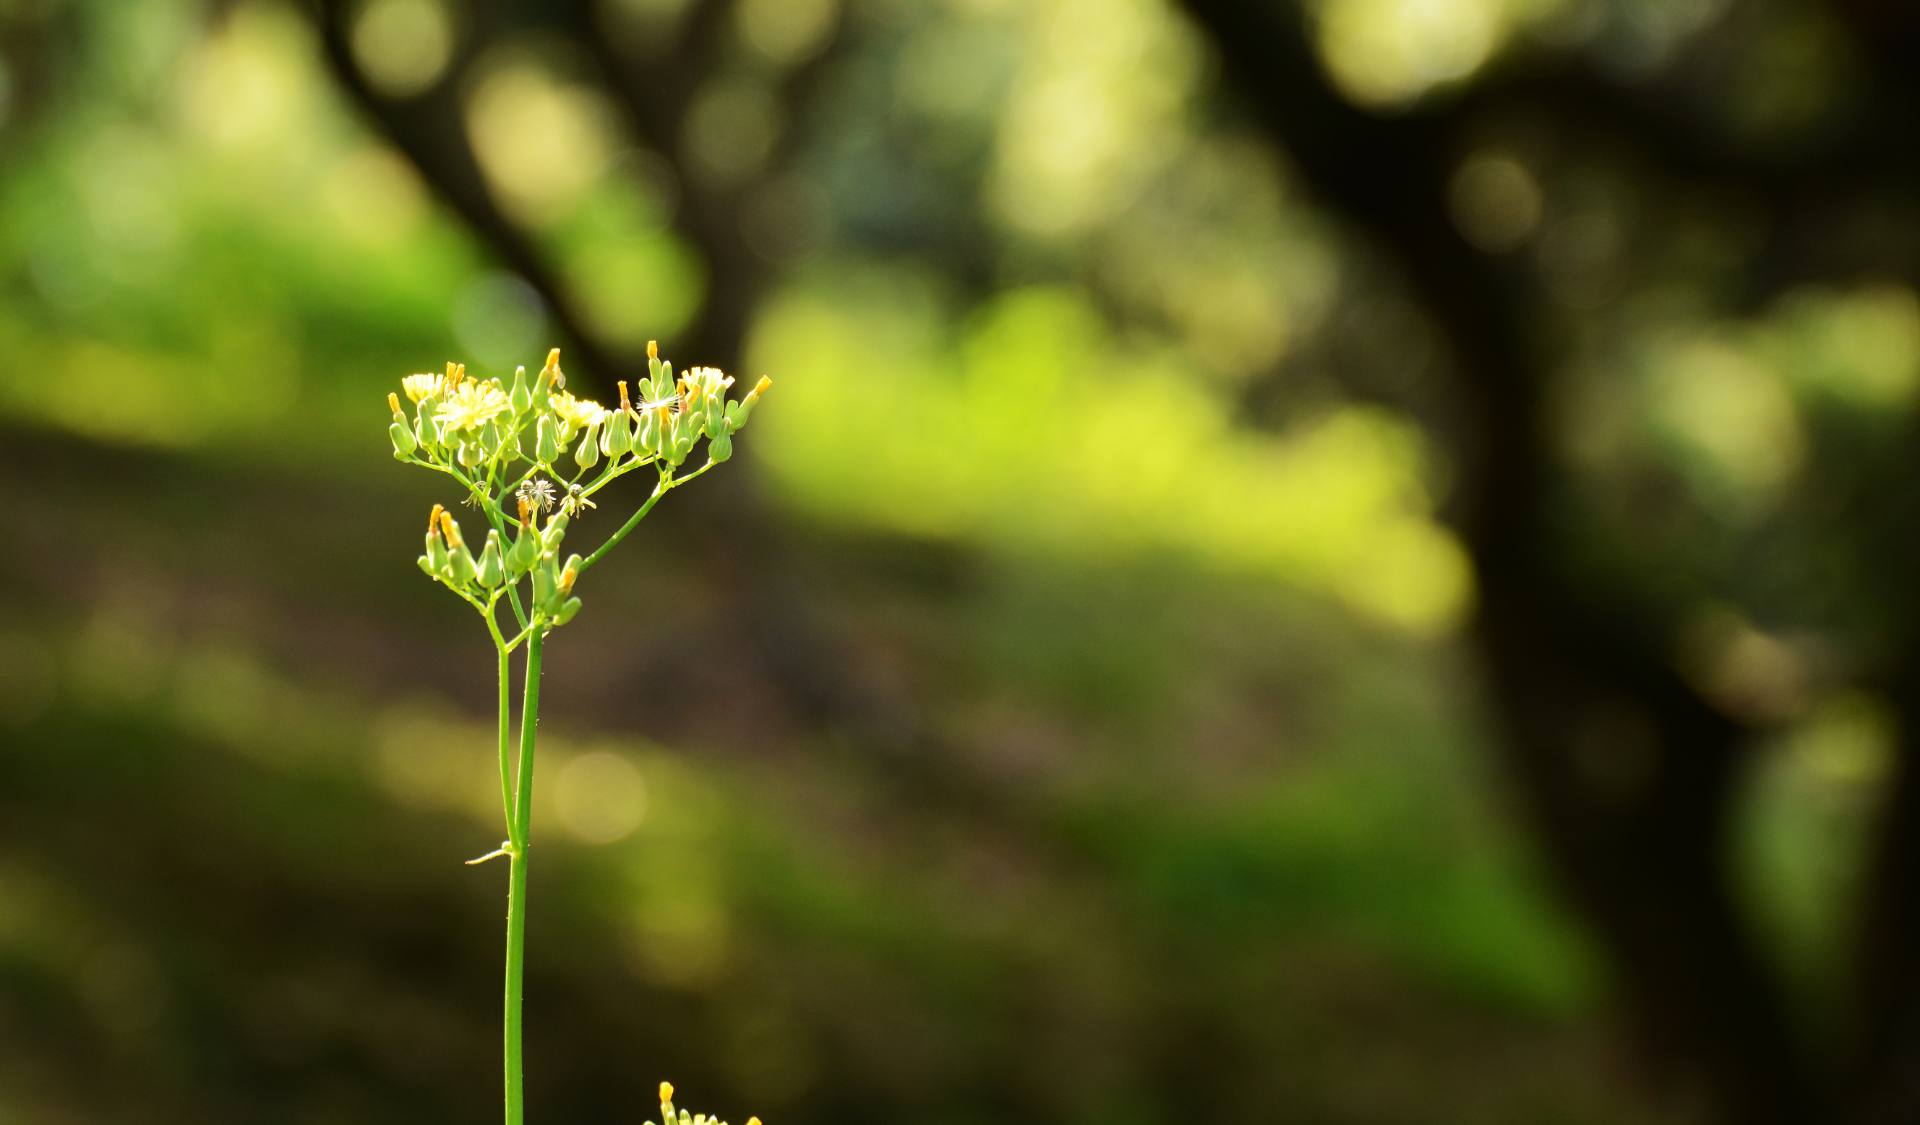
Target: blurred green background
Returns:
[1073, 706]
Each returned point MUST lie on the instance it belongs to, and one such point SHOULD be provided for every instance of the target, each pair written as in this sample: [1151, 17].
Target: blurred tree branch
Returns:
[1886, 977]
[1640, 841]
[430, 131]
[655, 94]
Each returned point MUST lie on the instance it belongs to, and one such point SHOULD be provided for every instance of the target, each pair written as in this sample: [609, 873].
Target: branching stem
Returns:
[667, 483]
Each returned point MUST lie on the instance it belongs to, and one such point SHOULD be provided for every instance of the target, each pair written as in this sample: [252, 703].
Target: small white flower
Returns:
[576, 501]
[538, 492]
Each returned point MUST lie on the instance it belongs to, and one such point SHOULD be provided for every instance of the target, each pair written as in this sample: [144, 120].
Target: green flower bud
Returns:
[648, 439]
[653, 367]
[567, 610]
[562, 586]
[619, 436]
[546, 576]
[546, 446]
[493, 569]
[686, 431]
[468, 453]
[753, 396]
[423, 428]
[550, 378]
[403, 443]
[526, 550]
[436, 545]
[555, 531]
[520, 398]
[588, 454]
[659, 388]
[721, 447]
[460, 565]
[426, 565]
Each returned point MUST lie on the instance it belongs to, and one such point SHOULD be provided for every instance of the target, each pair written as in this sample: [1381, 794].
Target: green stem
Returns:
[633, 521]
[506, 728]
[520, 821]
[529, 716]
[513, 594]
[492, 511]
[667, 484]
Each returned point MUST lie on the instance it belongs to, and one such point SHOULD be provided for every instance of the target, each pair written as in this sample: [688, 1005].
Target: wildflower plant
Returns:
[530, 458]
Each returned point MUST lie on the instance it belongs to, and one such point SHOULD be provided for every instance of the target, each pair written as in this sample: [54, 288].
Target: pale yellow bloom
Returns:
[420, 386]
[577, 412]
[711, 377]
[472, 405]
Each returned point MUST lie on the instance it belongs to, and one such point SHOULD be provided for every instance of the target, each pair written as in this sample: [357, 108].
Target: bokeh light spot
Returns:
[1496, 202]
[1847, 738]
[731, 129]
[1747, 672]
[1389, 52]
[1729, 413]
[1101, 75]
[600, 797]
[372, 195]
[499, 319]
[786, 31]
[404, 45]
[1860, 347]
[240, 89]
[541, 142]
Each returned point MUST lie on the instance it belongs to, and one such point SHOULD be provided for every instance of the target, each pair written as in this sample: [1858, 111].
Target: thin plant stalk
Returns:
[520, 819]
[506, 729]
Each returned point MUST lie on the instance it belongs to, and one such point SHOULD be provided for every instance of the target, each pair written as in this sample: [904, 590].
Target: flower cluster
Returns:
[669, 1117]
[531, 456]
